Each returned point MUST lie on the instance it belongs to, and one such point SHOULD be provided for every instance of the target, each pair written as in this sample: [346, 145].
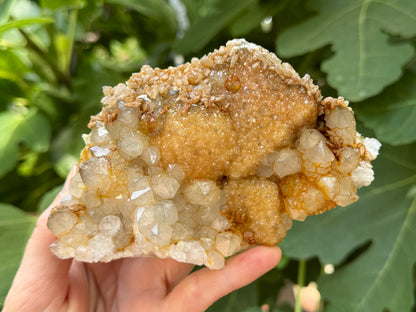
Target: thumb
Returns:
[41, 273]
[200, 289]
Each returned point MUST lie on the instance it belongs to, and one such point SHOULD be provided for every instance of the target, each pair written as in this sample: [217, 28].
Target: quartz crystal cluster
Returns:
[200, 161]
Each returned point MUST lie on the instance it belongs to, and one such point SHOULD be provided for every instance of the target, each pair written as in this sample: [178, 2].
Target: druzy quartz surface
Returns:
[200, 161]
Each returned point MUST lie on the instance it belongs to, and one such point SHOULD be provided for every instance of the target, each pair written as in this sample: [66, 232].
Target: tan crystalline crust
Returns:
[200, 161]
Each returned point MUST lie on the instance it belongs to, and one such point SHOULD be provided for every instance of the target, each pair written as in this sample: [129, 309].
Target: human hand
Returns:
[47, 283]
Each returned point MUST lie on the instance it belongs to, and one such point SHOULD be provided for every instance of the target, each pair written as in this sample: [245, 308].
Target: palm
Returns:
[126, 285]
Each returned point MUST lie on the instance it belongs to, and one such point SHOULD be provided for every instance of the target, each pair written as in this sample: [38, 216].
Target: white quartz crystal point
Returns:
[315, 152]
[166, 212]
[190, 252]
[202, 193]
[372, 146]
[61, 221]
[110, 225]
[145, 215]
[76, 186]
[347, 192]
[101, 245]
[99, 151]
[264, 171]
[141, 191]
[341, 123]
[181, 232]
[127, 115]
[131, 145]
[330, 185]
[164, 186]
[99, 133]
[151, 155]
[215, 260]
[227, 243]
[160, 234]
[313, 200]
[90, 199]
[349, 159]
[94, 171]
[287, 162]
[363, 175]
[176, 172]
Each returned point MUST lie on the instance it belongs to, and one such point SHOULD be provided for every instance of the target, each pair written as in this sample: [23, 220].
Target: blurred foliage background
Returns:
[55, 56]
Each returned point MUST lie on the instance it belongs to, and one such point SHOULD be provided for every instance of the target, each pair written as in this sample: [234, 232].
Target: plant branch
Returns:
[60, 76]
[301, 283]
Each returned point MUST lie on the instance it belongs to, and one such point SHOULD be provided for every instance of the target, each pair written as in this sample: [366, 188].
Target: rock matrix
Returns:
[200, 161]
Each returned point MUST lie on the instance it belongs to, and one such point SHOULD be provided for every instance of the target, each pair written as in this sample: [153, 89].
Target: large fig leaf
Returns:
[392, 114]
[31, 128]
[210, 25]
[15, 227]
[385, 216]
[364, 60]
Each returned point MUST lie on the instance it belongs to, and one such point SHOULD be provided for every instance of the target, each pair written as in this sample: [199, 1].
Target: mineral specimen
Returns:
[200, 161]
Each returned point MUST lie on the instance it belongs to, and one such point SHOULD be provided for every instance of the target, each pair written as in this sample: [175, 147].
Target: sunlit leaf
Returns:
[12, 67]
[15, 227]
[385, 216]
[364, 60]
[5, 8]
[31, 128]
[24, 22]
[57, 4]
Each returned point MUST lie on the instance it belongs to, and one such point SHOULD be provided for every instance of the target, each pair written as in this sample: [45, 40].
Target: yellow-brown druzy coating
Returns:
[201, 141]
[253, 205]
[234, 103]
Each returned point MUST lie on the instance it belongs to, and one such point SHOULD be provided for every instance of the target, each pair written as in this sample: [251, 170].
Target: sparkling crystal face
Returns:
[200, 161]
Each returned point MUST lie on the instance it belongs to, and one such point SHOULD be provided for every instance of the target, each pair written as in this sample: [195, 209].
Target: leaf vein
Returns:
[387, 264]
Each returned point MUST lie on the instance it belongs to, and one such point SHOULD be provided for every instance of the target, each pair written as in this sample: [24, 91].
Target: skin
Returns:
[47, 283]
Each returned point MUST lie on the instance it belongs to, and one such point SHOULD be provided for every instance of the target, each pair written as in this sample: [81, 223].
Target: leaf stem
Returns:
[301, 283]
[73, 17]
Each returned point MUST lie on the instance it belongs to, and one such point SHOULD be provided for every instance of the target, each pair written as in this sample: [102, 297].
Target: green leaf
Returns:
[62, 44]
[205, 28]
[156, 9]
[253, 16]
[252, 309]
[385, 215]
[249, 19]
[5, 8]
[364, 60]
[12, 67]
[24, 22]
[48, 198]
[31, 128]
[238, 300]
[392, 114]
[57, 4]
[15, 227]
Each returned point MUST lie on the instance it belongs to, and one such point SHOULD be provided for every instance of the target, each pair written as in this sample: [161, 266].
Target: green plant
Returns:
[56, 55]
